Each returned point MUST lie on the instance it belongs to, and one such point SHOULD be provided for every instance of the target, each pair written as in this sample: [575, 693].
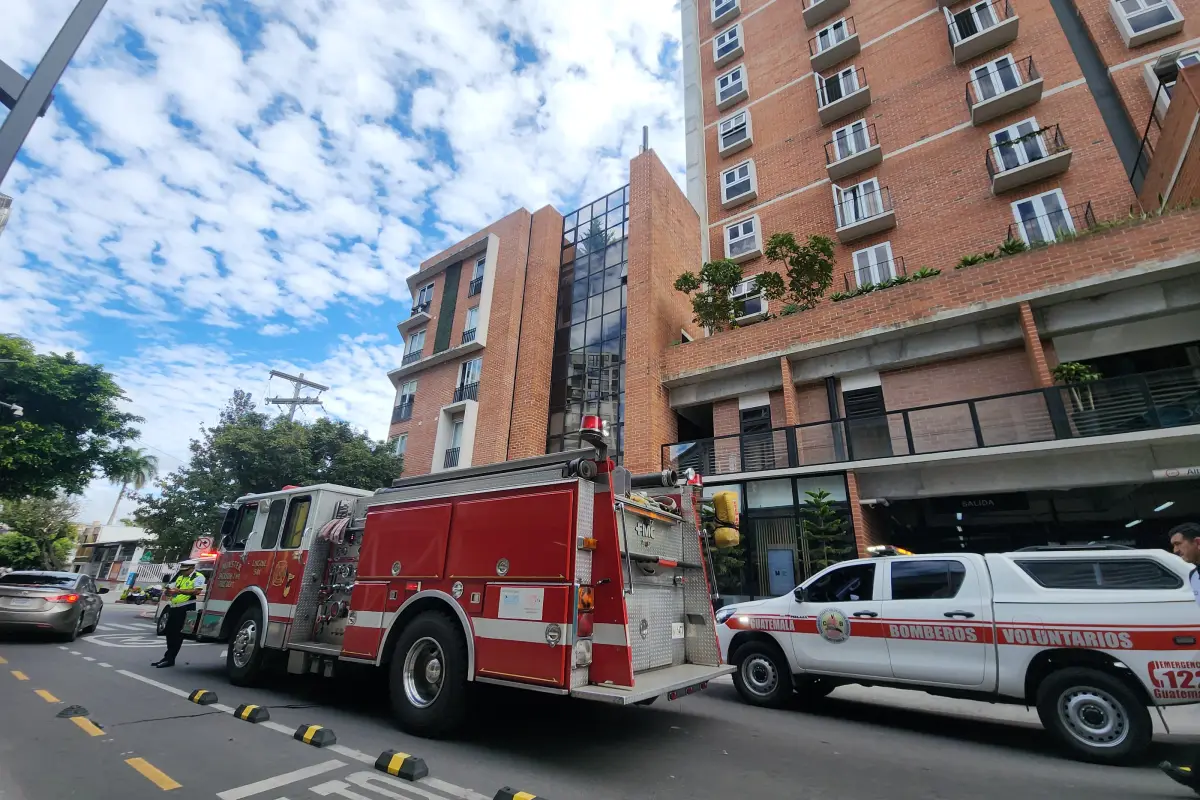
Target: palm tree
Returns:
[138, 470]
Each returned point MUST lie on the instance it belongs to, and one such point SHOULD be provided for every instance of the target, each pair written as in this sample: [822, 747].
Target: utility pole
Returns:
[297, 382]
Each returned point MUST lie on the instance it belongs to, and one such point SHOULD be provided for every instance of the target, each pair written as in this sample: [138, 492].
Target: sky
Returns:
[225, 187]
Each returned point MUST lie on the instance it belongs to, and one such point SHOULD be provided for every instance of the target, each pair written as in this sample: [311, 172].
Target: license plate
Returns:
[20, 602]
[678, 693]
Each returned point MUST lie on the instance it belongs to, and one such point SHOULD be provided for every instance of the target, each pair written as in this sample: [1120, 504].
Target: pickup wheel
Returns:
[1094, 715]
[244, 661]
[763, 676]
[428, 676]
[160, 626]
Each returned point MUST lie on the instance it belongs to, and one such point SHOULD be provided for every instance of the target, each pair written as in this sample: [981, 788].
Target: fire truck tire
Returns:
[1094, 715]
[244, 659]
[428, 676]
[763, 677]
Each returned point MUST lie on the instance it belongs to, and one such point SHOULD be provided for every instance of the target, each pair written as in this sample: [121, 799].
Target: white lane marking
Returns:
[88, 658]
[350, 752]
[140, 639]
[121, 627]
[275, 726]
[251, 789]
[364, 780]
[101, 627]
[156, 684]
[61, 647]
[109, 666]
[144, 626]
[451, 789]
[223, 707]
[224, 653]
[76, 653]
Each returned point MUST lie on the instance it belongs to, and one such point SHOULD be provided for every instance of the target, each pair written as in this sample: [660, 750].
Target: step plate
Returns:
[652, 684]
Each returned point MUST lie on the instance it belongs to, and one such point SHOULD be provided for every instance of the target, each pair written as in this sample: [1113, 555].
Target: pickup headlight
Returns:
[725, 613]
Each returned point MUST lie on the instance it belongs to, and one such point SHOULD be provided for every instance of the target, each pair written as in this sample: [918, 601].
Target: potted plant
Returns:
[1077, 377]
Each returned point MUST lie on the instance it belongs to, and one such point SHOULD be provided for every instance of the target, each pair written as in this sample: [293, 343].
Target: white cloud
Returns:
[276, 329]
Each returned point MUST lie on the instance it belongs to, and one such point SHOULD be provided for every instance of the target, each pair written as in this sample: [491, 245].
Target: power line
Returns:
[296, 400]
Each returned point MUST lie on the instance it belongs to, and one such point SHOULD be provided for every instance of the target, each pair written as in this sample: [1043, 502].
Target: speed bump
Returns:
[203, 697]
[315, 735]
[252, 713]
[402, 765]
[508, 793]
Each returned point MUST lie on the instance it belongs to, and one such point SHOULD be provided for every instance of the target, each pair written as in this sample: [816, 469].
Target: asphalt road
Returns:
[148, 738]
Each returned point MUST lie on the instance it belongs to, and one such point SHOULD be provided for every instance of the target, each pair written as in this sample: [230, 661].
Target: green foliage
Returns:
[71, 428]
[1010, 247]
[789, 309]
[44, 521]
[727, 564]
[824, 530]
[925, 272]
[596, 239]
[137, 469]
[899, 280]
[18, 551]
[808, 266]
[976, 258]
[710, 292]
[1073, 372]
[247, 452]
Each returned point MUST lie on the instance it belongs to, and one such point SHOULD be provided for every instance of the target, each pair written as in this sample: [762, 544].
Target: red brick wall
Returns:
[959, 379]
[1177, 129]
[435, 389]
[1035, 352]
[870, 524]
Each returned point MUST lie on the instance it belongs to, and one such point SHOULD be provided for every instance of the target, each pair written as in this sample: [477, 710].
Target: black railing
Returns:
[813, 44]
[1029, 148]
[853, 140]
[878, 272]
[863, 206]
[451, 460]
[469, 391]
[1001, 79]
[1141, 165]
[409, 358]
[1126, 404]
[468, 335]
[832, 90]
[475, 286]
[420, 308]
[1052, 227]
[402, 412]
[964, 26]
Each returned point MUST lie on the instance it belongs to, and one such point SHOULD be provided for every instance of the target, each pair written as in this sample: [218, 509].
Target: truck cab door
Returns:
[938, 621]
[839, 628]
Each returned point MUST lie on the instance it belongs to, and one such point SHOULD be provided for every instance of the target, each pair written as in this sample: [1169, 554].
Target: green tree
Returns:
[138, 469]
[47, 523]
[246, 452]
[824, 531]
[808, 266]
[596, 239]
[71, 427]
[18, 551]
[711, 290]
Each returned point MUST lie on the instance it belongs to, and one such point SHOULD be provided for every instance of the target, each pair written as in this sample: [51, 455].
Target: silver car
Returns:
[65, 603]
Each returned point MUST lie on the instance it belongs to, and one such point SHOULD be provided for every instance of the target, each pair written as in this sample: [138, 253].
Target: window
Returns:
[874, 265]
[400, 445]
[1142, 16]
[921, 579]
[739, 184]
[472, 318]
[480, 265]
[734, 133]
[297, 521]
[1166, 70]
[831, 36]
[456, 428]
[748, 299]
[974, 19]
[468, 373]
[26, 579]
[727, 46]
[723, 10]
[851, 139]
[408, 393]
[1018, 144]
[995, 78]
[852, 583]
[424, 298]
[1043, 217]
[244, 526]
[270, 536]
[837, 86]
[731, 87]
[1106, 573]
[741, 239]
[416, 343]
[857, 203]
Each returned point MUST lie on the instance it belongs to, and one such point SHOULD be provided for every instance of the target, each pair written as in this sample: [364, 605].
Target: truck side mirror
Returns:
[800, 594]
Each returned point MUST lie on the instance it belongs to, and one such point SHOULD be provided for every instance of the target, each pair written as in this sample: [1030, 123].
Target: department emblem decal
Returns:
[833, 626]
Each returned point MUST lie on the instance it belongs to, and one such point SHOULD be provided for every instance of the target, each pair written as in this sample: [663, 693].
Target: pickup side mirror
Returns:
[800, 594]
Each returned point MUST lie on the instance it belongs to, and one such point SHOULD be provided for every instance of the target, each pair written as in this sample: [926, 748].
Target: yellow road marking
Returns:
[88, 726]
[153, 774]
[3, 660]
[49, 698]
[21, 676]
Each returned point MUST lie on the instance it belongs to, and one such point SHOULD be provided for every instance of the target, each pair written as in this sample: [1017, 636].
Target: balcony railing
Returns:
[1047, 228]
[1033, 150]
[410, 358]
[848, 144]
[469, 391]
[876, 273]
[451, 459]
[468, 335]
[1147, 401]
[402, 411]
[833, 52]
[1141, 166]
[864, 213]
[475, 286]
[420, 308]
[1002, 88]
[980, 28]
[834, 90]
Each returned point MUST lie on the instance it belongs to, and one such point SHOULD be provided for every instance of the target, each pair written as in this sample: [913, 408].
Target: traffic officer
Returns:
[181, 595]
[1185, 541]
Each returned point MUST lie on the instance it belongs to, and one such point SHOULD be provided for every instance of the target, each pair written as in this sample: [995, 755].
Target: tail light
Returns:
[585, 604]
[587, 598]
[63, 598]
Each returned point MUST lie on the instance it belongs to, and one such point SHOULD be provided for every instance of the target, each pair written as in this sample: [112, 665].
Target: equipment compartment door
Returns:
[525, 633]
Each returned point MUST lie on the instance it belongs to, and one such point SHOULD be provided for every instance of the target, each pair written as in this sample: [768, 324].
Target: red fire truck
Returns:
[560, 573]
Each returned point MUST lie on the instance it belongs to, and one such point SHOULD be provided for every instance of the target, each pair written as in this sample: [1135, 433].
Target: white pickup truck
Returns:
[1092, 637]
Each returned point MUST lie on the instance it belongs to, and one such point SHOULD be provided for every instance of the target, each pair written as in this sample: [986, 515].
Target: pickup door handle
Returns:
[963, 614]
[865, 614]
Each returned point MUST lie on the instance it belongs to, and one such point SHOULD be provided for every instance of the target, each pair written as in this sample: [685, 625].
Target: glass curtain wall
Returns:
[588, 372]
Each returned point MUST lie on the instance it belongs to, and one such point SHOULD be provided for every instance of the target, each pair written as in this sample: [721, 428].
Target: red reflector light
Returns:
[587, 598]
[412, 586]
[673, 696]
[63, 598]
[584, 626]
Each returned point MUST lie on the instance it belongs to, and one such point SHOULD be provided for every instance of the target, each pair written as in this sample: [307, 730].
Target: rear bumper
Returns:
[58, 620]
[686, 679]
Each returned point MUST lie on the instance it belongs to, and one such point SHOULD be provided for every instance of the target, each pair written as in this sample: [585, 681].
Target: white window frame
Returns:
[981, 11]
[832, 40]
[480, 268]
[734, 122]
[415, 343]
[876, 270]
[990, 73]
[1033, 149]
[732, 9]
[407, 396]
[457, 422]
[845, 134]
[1041, 217]
[731, 34]
[850, 72]
[755, 235]
[854, 199]
[741, 173]
[735, 97]
[1123, 19]
[425, 295]
[472, 319]
[745, 291]
[468, 370]
[400, 445]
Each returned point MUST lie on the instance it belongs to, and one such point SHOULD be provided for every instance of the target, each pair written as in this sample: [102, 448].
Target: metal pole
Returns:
[295, 396]
[40, 86]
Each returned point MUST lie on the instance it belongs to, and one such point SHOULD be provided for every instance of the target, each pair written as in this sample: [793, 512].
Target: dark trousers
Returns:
[175, 617]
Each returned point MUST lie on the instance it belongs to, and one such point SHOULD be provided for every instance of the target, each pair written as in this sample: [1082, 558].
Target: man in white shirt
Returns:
[1185, 541]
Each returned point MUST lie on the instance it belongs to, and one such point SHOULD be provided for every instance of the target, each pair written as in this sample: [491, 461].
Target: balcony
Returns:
[980, 28]
[852, 152]
[469, 391]
[402, 412]
[1037, 229]
[823, 53]
[418, 316]
[468, 335]
[817, 12]
[864, 214]
[1031, 158]
[1143, 402]
[475, 286]
[997, 89]
[451, 459]
[410, 358]
[834, 102]
[879, 272]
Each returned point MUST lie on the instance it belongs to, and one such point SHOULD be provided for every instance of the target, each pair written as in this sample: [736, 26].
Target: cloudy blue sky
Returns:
[227, 186]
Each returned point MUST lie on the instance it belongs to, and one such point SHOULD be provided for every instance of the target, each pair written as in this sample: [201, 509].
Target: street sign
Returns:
[202, 545]
[1176, 472]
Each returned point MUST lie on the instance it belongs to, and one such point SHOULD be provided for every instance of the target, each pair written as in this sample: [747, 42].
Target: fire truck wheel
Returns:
[1094, 715]
[763, 677]
[244, 661]
[428, 678]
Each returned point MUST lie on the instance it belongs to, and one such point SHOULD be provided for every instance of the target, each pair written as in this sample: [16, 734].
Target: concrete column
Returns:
[1033, 347]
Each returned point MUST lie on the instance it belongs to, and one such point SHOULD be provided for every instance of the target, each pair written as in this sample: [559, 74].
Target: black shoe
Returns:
[165, 663]
[158, 663]
[1181, 775]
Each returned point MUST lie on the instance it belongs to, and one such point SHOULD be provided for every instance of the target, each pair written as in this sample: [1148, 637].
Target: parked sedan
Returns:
[58, 602]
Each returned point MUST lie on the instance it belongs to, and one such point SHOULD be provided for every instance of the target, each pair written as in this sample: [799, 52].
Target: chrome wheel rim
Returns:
[1093, 716]
[759, 675]
[244, 643]
[424, 672]
[162, 622]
